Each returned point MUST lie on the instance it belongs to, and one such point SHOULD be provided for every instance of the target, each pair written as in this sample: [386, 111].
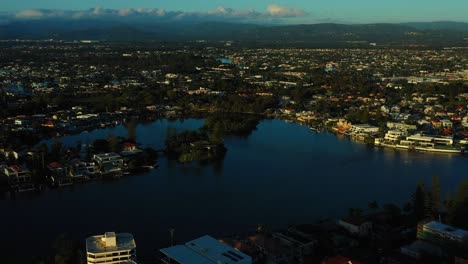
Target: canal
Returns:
[281, 174]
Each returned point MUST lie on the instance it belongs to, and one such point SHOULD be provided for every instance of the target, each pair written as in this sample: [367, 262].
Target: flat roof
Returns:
[206, 250]
[96, 244]
[107, 155]
[183, 254]
[364, 126]
[438, 226]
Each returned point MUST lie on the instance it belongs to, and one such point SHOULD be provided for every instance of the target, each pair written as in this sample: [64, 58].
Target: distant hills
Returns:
[431, 33]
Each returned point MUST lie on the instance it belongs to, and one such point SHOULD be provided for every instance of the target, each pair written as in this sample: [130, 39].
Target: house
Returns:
[82, 170]
[364, 128]
[19, 178]
[56, 168]
[129, 146]
[385, 109]
[59, 174]
[357, 226]
[109, 162]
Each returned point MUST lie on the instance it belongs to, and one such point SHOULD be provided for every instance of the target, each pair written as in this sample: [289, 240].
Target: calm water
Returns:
[282, 174]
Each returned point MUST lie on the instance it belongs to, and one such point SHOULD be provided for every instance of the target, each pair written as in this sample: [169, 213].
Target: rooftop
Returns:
[206, 250]
[109, 242]
[107, 155]
[438, 226]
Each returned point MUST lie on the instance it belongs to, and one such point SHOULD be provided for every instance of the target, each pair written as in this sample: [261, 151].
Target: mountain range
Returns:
[429, 33]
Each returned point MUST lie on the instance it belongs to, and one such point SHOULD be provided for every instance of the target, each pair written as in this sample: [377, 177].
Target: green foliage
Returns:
[231, 124]
[67, 251]
[418, 202]
[114, 144]
[189, 146]
[458, 215]
[101, 146]
[435, 194]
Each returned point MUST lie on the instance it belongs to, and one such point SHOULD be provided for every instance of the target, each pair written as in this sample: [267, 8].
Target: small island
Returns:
[192, 145]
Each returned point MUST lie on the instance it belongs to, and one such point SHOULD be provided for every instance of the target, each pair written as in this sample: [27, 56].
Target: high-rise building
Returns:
[111, 248]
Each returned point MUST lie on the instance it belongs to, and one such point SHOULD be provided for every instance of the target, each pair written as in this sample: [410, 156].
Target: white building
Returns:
[204, 250]
[394, 135]
[109, 162]
[429, 141]
[364, 128]
[111, 248]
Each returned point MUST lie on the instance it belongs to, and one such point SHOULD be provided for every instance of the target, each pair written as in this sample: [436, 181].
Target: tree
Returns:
[217, 134]
[131, 129]
[418, 199]
[435, 194]
[114, 144]
[458, 216]
[101, 145]
[56, 150]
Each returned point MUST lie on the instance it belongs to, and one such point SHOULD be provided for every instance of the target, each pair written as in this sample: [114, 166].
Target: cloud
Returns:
[273, 12]
[30, 14]
[282, 11]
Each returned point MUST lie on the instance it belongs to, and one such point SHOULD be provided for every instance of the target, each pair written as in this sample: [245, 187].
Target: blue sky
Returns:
[348, 11]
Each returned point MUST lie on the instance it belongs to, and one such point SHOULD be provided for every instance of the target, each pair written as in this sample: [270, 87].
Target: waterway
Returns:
[282, 174]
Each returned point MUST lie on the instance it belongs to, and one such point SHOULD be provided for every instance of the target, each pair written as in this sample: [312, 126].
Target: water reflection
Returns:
[281, 174]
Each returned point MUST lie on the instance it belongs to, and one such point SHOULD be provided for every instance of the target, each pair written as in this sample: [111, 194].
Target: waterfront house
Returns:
[19, 178]
[364, 129]
[80, 170]
[394, 136]
[465, 122]
[109, 163]
[58, 174]
[129, 146]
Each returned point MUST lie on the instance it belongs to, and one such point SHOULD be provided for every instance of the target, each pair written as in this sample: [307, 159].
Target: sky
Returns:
[281, 11]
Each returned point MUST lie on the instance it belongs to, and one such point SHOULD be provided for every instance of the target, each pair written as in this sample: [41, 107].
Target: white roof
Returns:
[183, 254]
[206, 250]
